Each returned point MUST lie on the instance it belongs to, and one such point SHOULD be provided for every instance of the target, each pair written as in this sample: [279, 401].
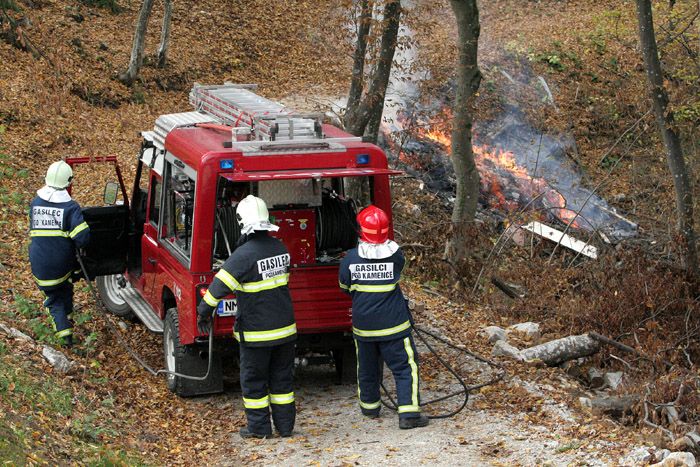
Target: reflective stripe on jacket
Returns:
[258, 273]
[379, 310]
[56, 229]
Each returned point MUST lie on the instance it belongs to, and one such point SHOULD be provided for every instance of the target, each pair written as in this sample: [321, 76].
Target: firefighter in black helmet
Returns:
[381, 322]
[258, 272]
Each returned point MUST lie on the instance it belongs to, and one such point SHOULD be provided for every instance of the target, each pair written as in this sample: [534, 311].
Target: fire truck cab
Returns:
[155, 255]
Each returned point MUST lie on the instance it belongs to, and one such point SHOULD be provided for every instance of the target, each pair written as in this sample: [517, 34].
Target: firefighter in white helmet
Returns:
[381, 321]
[258, 273]
[57, 230]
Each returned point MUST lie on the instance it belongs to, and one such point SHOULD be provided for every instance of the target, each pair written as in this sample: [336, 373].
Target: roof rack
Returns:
[258, 125]
[248, 113]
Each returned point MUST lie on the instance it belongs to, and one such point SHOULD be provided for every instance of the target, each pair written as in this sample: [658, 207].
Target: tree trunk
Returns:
[561, 350]
[372, 105]
[136, 59]
[665, 122]
[358, 65]
[165, 33]
[468, 80]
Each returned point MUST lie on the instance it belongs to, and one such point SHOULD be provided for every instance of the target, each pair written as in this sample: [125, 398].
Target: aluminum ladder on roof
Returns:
[236, 105]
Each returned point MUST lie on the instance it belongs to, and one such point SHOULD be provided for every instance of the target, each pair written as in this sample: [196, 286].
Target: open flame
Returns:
[505, 184]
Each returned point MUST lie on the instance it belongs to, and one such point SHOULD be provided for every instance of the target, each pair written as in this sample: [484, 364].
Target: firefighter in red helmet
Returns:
[381, 321]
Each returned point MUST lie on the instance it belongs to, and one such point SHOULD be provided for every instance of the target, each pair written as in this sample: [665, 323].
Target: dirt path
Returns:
[330, 430]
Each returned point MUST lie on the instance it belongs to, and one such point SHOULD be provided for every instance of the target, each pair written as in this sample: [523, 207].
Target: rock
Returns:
[595, 377]
[661, 454]
[16, 333]
[689, 442]
[613, 380]
[530, 330]
[504, 349]
[416, 211]
[677, 459]
[56, 359]
[494, 333]
[585, 402]
[123, 326]
[638, 456]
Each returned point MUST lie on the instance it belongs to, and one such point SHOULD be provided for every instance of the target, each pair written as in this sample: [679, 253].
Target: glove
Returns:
[204, 323]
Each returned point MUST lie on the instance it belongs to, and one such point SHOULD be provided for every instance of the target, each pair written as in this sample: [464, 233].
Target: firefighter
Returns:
[381, 321]
[57, 230]
[258, 272]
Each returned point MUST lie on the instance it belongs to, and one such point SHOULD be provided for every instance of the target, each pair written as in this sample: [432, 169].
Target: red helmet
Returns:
[374, 225]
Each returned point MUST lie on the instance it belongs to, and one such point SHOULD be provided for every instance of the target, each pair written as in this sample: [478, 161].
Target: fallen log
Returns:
[506, 288]
[614, 406]
[561, 350]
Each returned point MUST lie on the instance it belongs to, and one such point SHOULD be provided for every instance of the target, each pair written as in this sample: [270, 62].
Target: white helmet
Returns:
[59, 175]
[252, 215]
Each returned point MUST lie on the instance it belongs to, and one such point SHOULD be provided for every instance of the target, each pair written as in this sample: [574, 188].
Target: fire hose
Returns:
[392, 404]
[466, 389]
[131, 351]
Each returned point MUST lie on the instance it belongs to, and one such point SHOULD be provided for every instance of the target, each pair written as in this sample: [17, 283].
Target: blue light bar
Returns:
[362, 159]
[226, 164]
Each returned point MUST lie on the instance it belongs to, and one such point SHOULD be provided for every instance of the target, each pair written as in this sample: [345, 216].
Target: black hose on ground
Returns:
[131, 351]
[393, 405]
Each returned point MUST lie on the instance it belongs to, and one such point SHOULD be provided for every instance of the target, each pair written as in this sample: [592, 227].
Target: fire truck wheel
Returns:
[110, 288]
[345, 360]
[188, 360]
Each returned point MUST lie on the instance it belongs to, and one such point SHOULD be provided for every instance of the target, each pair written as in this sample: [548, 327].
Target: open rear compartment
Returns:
[316, 219]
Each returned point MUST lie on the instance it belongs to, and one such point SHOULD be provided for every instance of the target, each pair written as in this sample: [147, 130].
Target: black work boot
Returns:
[370, 413]
[286, 434]
[245, 433]
[67, 341]
[414, 422]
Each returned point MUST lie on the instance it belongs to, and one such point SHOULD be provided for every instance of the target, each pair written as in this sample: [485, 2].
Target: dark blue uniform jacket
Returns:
[379, 309]
[56, 230]
[258, 273]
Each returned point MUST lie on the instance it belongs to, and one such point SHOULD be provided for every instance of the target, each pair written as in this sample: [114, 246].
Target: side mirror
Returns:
[110, 195]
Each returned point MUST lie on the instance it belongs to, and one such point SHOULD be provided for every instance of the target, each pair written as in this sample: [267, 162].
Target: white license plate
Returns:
[227, 307]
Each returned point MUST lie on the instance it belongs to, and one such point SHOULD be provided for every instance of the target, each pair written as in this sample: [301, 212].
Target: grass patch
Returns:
[22, 388]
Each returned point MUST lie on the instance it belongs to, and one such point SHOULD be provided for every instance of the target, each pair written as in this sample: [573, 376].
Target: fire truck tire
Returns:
[110, 293]
[345, 364]
[188, 360]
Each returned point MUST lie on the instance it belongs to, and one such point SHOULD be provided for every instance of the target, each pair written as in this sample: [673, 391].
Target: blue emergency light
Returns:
[226, 164]
[362, 159]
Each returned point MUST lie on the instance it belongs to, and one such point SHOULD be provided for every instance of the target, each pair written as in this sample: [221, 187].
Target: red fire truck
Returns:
[155, 253]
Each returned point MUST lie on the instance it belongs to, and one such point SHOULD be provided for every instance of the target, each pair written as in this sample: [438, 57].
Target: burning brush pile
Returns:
[522, 171]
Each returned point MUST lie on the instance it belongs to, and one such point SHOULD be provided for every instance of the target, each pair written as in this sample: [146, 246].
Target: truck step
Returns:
[142, 309]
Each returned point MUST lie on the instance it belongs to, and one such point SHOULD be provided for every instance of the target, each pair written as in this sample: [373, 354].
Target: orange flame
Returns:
[491, 162]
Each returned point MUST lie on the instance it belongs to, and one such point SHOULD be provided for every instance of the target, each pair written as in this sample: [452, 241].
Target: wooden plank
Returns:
[557, 236]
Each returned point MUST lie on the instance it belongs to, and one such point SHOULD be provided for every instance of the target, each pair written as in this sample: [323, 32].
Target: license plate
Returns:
[227, 307]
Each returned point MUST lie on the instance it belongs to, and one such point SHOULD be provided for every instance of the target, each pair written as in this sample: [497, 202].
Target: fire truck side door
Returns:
[109, 232]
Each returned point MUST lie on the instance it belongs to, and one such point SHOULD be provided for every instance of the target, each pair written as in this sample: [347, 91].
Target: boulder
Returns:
[677, 459]
[529, 330]
[638, 456]
[16, 333]
[56, 359]
[494, 334]
[613, 380]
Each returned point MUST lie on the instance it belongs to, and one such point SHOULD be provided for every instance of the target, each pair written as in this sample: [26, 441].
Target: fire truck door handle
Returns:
[153, 261]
